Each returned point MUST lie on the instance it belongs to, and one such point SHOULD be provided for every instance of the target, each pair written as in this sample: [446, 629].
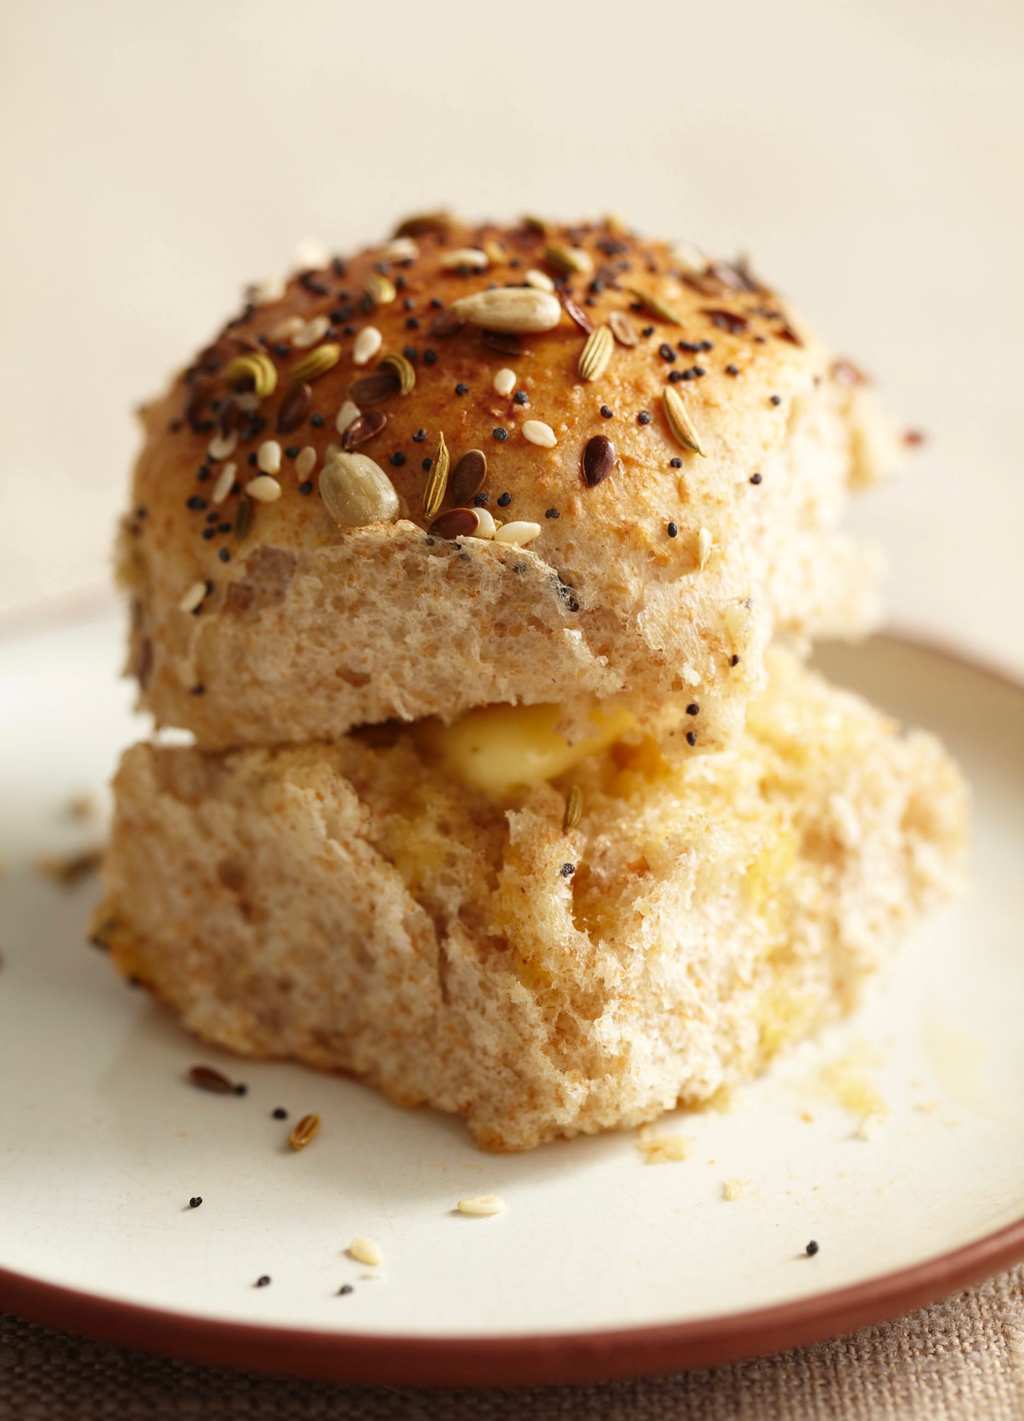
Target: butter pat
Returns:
[499, 749]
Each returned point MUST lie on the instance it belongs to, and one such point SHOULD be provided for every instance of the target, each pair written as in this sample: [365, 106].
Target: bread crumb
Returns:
[481, 1206]
[662, 1149]
[734, 1188]
[364, 1250]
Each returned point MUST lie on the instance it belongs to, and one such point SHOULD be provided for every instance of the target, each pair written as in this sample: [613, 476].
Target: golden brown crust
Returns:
[673, 560]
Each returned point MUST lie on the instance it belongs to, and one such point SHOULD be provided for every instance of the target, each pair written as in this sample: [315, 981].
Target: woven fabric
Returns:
[961, 1359]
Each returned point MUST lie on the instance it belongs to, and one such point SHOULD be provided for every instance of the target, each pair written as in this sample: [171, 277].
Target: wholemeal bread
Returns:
[296, 571]
[541, 960]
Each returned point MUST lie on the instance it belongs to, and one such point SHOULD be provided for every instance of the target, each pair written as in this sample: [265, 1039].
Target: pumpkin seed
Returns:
[317, 362]
[596, 354]
[356, 491]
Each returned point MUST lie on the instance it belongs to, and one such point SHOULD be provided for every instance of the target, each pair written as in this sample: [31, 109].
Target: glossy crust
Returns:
[308, 628]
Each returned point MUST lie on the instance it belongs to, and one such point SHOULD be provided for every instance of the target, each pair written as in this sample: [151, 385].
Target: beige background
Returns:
[867, 154]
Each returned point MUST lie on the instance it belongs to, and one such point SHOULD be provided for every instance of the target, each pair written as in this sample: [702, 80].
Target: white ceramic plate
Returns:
[602, 1264]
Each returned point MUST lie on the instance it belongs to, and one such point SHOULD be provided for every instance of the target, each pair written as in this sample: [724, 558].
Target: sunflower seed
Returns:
[656, 307]
[294, 408]
[455, 523]
[356, 491]
[518, 533]
[510, 308]
[424, 224]
[596, 354]
[482, 1206]
[363, 428]
[380, 289]
[683, 429]
[537, 432]
[468, 476]
[704, 545]
[622, 328]
[403, 369]
[310, 332]
[599, 459]
[317, 362]
[505, 381]
[539, 280]
[225, 483]
[255, 370]
[465, 259]
[380, 385]
[305, 463]
[193, 596]
[566, 260]
[364, 1250]
[304, 1131]
[263, 489]
[367, 344]
[268, 457]
[433, 494]
[573, 809]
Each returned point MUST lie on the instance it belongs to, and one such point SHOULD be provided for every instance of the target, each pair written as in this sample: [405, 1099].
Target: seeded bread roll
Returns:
[488, 464]
[576, 962]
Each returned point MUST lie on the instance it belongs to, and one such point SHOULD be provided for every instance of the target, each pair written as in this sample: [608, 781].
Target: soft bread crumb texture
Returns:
[306, 629]
[355, 907]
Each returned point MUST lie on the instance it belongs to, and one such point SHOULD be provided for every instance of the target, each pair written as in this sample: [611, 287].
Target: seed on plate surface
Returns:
[294, 408]
[380, 289]
[704, 546]
[403, 369]
[510, 308]
[195, 1201]
[304, 1131]
[482, 1206]
[573, 809]
[539, 280]
[346, 415]
[305, 462]
[210, 1079]
[225, 483]
[622, 328]
[363, 429]
[221, 445]
[401, 249]
[365, 1250]
[567, 260]
[468, 476]
[655, 306]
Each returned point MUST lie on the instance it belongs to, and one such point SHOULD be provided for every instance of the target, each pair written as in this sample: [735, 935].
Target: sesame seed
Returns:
[368, 342]
[704, 544]
[517, 533]
[365, 1250]
[268, 456]
[348, 414]
[263, 489]
[505, 381]
[481, 1206]
[309, 332]
[537, 432]
[305, 462]
[195, 1201]
[672, 530]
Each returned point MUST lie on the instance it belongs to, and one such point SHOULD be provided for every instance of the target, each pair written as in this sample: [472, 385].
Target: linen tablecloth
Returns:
[962, 1360]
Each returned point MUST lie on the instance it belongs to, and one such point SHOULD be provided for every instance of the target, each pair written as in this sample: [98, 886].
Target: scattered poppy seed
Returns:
[666, 352]
[279, 1113]
[672, 530]
[500, 434]
[306, 487]
[776, 399]
[241, 1089]
[263, 1280]
[811, 1248]
[504, 499]
[691, 737]
[345, 1290]
[521, 398]
[420, 436]
[675, 462]
[461, 389]
[551, 513]
[755, 478]
[397, 459]
[644, 417]
[731, 369]
[195, 1201]
[693, 708]
[224, 555]
[734, 660]
[567, 870]
[606, 413]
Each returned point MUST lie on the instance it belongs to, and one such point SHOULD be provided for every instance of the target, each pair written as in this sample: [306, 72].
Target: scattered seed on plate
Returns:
[567, 260]
[263, 489]
[467, 477]
[517, 533]
[367, 344]
[505, 381]
[481, 1206]
[195, 1201]
[537, 432]
[210, 1079]
[365, 1250]
[263, 1281]
[193, 597]
[345, 1290]
[812, 1248]
[268, 457]
[380, 289]
[304, 1131]
[734, 1189]
[261, 293]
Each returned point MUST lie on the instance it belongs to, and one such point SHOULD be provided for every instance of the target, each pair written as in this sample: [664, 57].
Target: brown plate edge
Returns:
[527, 1359]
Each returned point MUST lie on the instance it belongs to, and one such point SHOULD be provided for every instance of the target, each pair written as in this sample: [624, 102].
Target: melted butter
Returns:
[500, 749]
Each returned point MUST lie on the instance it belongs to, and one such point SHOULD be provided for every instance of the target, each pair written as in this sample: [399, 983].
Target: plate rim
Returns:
[522, 1359]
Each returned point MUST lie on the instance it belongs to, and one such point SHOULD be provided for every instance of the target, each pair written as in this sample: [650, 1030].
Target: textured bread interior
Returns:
[356, 905]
